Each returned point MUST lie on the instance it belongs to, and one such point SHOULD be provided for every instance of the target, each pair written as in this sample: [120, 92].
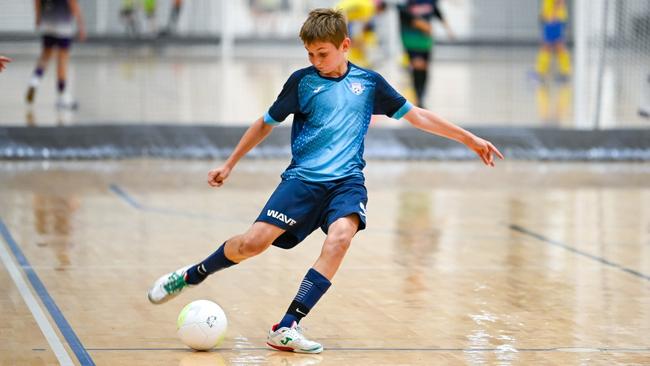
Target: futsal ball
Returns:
[202, 325]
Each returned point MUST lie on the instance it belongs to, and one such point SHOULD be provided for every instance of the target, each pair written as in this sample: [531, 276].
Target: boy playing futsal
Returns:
[332, 102]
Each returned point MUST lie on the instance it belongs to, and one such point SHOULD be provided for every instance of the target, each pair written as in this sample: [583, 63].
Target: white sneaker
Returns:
[67, 103]
[292, 340]
[168, 286]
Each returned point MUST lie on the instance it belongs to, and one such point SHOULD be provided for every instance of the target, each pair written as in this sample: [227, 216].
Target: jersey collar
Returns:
[337, 78]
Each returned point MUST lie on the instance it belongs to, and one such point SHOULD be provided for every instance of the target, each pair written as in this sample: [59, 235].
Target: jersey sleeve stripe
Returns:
[269, 120]
[404, 109]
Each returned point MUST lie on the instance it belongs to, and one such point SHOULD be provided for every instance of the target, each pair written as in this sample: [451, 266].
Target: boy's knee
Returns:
[253, 243]
[337, 243]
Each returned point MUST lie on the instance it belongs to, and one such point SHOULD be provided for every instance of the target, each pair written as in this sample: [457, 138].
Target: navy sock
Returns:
[312, 288]
[215, 262]
[60, 86]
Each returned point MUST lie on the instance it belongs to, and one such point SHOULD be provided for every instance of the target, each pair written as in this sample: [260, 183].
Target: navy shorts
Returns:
[300, 207]
[59, 42]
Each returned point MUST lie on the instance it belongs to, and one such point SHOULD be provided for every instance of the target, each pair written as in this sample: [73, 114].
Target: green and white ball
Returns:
[202, 325]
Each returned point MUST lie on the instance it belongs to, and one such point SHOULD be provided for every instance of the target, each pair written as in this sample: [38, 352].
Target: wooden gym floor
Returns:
[526, 263]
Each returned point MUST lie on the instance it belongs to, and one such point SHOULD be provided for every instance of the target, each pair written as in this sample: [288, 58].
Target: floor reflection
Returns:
[554, 102]
[212, 358]
[53, 221]
[417, 241]
[64, 117]
[292, 359]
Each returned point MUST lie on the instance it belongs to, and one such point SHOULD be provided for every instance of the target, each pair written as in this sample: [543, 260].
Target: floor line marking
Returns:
[579, 252]
[42, 321]
[379, 349]
[121, 193]
[47, 300]
[125, 196]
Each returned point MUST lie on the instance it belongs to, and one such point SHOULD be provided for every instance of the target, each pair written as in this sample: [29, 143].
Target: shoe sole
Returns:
[289, 349]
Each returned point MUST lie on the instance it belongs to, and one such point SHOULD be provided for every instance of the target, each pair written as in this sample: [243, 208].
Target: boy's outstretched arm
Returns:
[255, 134]
[432, 123]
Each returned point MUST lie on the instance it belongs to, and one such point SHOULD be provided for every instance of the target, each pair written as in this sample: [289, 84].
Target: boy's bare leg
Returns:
[253, 242]
[339, 237]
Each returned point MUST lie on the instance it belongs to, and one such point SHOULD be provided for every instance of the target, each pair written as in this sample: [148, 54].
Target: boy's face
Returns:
[327, 58]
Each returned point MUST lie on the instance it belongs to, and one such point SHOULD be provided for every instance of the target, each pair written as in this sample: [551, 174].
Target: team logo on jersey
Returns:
[356, 88]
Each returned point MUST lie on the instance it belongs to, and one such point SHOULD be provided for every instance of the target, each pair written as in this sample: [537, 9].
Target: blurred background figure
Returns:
[497, 48]
[55, 20]
[150, 13]
[3, 62]
[417, 38]
[175, 13]
[553, 16]
[128, 16]
[361, 22]
[644, 107]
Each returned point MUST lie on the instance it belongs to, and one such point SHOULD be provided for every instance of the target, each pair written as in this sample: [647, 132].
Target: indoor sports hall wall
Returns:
[225, 62]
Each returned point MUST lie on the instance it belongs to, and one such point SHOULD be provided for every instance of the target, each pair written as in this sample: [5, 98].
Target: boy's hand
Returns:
[217, 176]
[484, 150]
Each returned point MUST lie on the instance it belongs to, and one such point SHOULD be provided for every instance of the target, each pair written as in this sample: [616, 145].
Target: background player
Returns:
[174, 14]
[360, 15]
[55, 19]
[332, 102]
[417, 38]
[553, 15]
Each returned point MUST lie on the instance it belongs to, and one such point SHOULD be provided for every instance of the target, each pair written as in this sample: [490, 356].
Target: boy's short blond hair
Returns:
[324, 25]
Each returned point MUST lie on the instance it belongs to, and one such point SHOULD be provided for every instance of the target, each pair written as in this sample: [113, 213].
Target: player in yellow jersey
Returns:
[553, 15]
[360, 15]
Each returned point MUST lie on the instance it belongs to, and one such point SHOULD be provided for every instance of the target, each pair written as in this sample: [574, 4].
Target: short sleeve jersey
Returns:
[331, 118]
[56, 18]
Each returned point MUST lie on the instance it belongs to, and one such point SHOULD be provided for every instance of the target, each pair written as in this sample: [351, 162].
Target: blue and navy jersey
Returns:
[330, 120]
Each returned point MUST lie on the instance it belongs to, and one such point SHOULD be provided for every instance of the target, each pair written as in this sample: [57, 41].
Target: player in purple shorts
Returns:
[323, 187]
[55, 20]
